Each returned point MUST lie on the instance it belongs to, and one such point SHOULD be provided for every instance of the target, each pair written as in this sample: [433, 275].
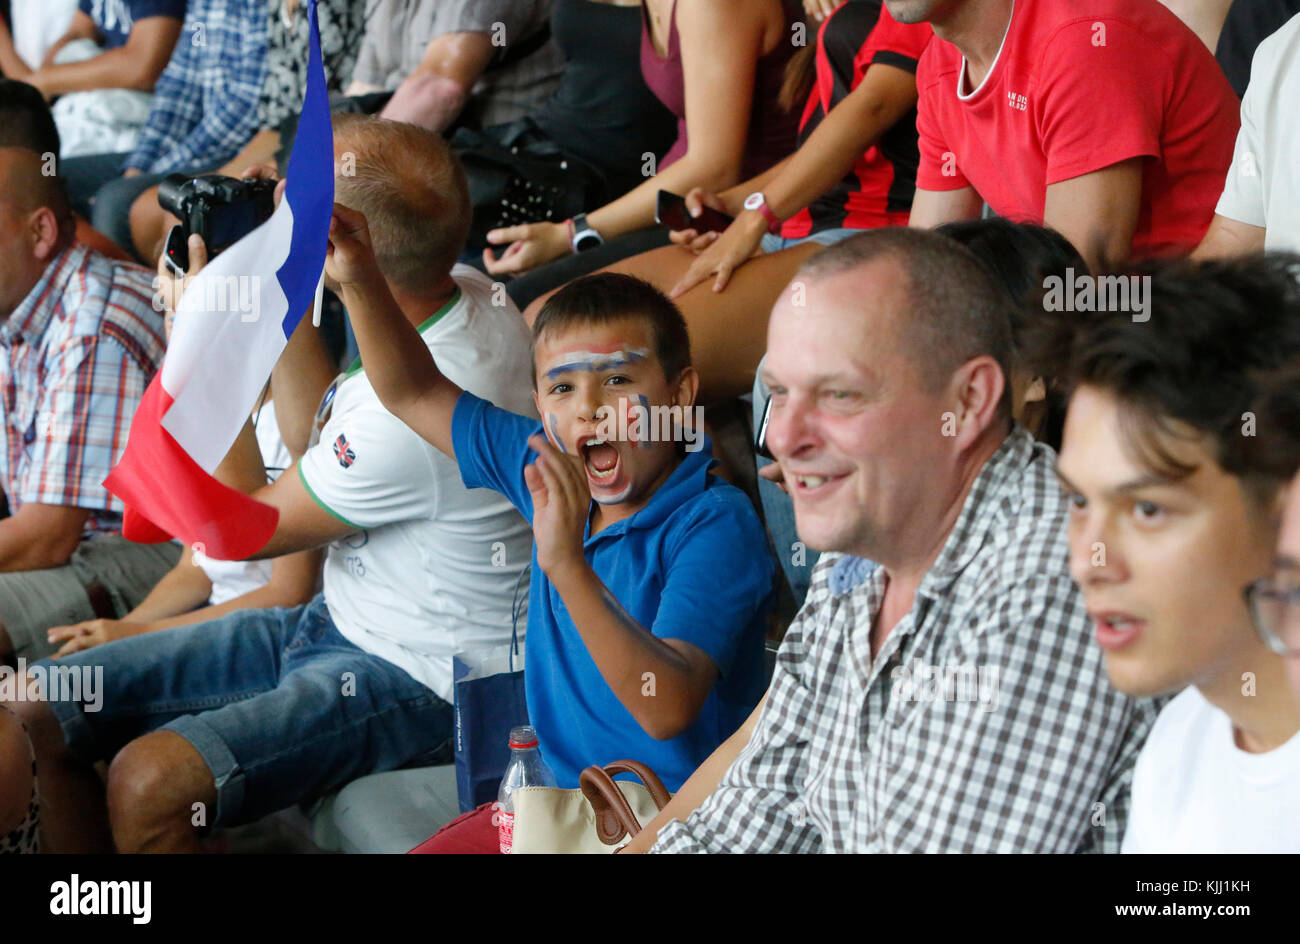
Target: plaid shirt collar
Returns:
[997, 483]
[32, 316]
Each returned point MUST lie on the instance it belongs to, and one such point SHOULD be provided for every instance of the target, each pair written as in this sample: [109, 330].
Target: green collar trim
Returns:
[355, 367]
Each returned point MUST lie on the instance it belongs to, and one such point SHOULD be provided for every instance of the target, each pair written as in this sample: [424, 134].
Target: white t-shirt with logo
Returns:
[432, 567]
[1263, 184]
[232, 579]
[1194, 790]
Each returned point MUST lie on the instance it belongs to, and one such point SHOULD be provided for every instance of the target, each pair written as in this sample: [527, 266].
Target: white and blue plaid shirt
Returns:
[986, 723]
[205, 102]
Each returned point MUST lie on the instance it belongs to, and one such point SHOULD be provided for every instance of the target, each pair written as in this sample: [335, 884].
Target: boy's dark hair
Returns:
[1020, 256]
[1213, 331]
[611, 296]
[1274, 450]
[25, 119]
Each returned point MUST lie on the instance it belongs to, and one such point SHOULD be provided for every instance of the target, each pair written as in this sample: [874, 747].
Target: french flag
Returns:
[221, 354]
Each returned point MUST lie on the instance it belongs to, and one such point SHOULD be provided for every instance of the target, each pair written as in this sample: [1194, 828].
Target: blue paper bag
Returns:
[489, 701]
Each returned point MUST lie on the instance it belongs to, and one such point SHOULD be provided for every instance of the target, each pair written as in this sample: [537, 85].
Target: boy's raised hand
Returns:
[350, 256]
[561, 505]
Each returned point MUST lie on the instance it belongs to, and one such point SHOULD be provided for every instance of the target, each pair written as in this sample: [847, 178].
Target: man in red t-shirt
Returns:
[1107, 120]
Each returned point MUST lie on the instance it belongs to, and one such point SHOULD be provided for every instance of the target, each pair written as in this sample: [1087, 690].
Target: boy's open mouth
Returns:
[602, 460]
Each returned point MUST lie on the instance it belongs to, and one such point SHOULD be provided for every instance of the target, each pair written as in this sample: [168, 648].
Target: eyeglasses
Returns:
[1275, 610]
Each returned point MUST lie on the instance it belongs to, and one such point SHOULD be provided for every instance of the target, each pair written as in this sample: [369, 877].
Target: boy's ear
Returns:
[537, 404]
[687, 388]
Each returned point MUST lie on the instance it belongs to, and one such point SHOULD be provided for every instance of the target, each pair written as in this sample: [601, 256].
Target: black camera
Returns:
[220, 209]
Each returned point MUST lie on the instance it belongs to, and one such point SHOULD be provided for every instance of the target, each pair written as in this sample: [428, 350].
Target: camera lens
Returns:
[172, 192]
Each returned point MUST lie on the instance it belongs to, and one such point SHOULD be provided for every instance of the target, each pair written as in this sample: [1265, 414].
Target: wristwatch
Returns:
[582, 236]
[756, 201]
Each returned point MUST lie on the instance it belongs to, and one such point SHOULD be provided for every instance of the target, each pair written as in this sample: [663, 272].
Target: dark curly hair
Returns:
[1214, 332]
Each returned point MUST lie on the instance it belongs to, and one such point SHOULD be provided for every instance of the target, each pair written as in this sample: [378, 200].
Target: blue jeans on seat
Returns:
[279, 704]
[778, 512]
[827, 237]
[86, 174]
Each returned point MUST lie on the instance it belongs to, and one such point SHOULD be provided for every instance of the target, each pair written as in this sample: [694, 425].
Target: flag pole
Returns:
[320, 297]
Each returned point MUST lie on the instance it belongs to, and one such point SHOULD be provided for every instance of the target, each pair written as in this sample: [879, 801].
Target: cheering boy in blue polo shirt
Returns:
[651, 577]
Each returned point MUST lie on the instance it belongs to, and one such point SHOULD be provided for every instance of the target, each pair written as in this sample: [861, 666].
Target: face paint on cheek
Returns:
[614, 499]
[554, 425]
[638, 419]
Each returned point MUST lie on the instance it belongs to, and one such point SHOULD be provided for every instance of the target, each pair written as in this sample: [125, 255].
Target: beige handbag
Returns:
[597, 818]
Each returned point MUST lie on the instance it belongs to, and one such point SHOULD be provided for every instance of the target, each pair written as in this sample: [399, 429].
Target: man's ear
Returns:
[978, 386]
[44, 228]
[688, 387]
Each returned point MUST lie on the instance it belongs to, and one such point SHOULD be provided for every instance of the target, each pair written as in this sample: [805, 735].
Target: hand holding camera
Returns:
[219, 210]
[172, 282]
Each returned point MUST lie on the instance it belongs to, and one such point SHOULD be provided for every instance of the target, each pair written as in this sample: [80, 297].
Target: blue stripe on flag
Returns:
[309, 188]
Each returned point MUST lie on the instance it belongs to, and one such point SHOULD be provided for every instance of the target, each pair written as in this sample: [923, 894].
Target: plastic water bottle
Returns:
[526, 769]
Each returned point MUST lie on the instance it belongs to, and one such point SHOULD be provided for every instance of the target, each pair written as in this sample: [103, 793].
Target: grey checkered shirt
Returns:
[986, 723]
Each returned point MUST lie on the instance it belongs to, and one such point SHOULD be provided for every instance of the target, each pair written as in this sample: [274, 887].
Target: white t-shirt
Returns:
[1263, 184]
[1194, 790]
[38, 25]
[432, 567]
[232, 579]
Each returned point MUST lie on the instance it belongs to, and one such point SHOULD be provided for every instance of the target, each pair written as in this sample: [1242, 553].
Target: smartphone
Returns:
[177, 251]
[760, 440]
[671, 212]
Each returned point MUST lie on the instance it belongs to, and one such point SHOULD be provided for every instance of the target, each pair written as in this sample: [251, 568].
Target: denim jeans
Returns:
[827, 237]
[778, 510]
[86, 174]
[279, 704]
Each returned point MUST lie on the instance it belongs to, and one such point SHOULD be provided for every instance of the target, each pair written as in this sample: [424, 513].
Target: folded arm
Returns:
[135, 65]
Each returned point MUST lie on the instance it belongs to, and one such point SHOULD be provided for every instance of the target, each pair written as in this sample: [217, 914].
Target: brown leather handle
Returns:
[614, 816]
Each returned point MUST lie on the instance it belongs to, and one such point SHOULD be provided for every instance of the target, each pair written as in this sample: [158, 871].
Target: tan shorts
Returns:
[33, 601]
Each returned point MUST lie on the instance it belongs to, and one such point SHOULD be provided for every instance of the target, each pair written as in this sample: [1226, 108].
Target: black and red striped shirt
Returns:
[878, 191]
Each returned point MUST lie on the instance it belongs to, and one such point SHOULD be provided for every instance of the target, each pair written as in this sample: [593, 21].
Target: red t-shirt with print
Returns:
[1080, 85]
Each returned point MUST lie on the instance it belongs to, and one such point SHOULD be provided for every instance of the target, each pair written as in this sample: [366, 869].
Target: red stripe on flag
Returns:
[167, 494]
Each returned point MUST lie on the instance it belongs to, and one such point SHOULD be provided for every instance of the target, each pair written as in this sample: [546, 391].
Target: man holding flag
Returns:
[226, 721]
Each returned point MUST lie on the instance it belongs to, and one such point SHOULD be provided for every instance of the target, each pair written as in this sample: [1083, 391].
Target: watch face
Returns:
[585, 241]
[753, 201]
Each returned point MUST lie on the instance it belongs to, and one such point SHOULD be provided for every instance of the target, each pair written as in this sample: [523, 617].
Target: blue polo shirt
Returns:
[691, 565]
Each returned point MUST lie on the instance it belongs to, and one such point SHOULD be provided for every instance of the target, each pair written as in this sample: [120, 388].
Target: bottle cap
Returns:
[523, 736]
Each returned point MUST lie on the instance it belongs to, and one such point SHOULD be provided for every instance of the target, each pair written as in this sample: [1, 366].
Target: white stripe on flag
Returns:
[229, 332]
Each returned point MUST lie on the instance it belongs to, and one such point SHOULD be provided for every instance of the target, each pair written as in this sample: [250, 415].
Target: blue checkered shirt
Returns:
[205, 102]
